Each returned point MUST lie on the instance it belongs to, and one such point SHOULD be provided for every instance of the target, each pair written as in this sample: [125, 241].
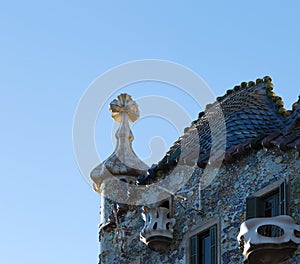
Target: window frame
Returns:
[255, 204]
[201, 230]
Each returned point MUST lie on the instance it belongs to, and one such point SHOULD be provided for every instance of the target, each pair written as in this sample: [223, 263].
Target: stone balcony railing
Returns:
[269, 240]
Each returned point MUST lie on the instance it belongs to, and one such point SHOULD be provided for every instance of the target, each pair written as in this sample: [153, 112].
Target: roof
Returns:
[254, 117]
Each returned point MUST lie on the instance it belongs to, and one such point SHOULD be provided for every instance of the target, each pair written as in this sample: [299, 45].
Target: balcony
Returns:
[269, 240]
[157, 233]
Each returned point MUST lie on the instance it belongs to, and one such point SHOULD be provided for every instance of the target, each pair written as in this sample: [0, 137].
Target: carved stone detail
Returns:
[123, 163]
[268, 240]
[158, 230]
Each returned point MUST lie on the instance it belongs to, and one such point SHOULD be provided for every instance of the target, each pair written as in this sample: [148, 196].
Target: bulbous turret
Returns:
[123, 163]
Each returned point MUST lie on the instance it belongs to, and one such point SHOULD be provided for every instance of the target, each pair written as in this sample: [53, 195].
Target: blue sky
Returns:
[50, 51]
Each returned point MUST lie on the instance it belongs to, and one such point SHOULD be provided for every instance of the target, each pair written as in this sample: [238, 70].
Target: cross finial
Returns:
[124, 105]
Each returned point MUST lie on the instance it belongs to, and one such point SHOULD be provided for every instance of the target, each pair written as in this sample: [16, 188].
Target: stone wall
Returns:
[224, 201]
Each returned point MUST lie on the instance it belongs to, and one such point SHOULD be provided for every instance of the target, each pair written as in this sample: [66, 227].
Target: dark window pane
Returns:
[203, 247]
[254, 207]
[213, 244]
[194, 250]
[206, 250]
[282, 198]
[271, 205]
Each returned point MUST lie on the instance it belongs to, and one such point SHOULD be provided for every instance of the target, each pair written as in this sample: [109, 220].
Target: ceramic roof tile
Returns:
[255, 117]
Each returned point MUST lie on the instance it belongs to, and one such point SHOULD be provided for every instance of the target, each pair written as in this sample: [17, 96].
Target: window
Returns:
[203, 247]
[270, 204]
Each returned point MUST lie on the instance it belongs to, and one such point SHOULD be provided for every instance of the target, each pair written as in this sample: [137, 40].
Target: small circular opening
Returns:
[270, 231]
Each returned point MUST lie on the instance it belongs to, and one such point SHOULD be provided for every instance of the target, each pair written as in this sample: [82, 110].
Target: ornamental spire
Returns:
[123, 162]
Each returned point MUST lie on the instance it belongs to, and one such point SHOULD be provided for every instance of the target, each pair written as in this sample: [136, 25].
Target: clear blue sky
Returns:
[50, 51]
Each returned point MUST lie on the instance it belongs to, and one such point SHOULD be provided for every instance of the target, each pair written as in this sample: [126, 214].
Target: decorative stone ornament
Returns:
[124, 104]
[157, 233]
[123, 163]
[269, 240]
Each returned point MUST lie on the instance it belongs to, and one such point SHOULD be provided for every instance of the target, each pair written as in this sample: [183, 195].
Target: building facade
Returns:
[214, 201]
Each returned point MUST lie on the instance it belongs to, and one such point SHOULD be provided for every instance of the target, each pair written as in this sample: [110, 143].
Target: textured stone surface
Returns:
[225, 197]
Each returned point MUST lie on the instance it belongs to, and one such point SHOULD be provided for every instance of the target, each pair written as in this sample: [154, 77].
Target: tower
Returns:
[113, 177]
